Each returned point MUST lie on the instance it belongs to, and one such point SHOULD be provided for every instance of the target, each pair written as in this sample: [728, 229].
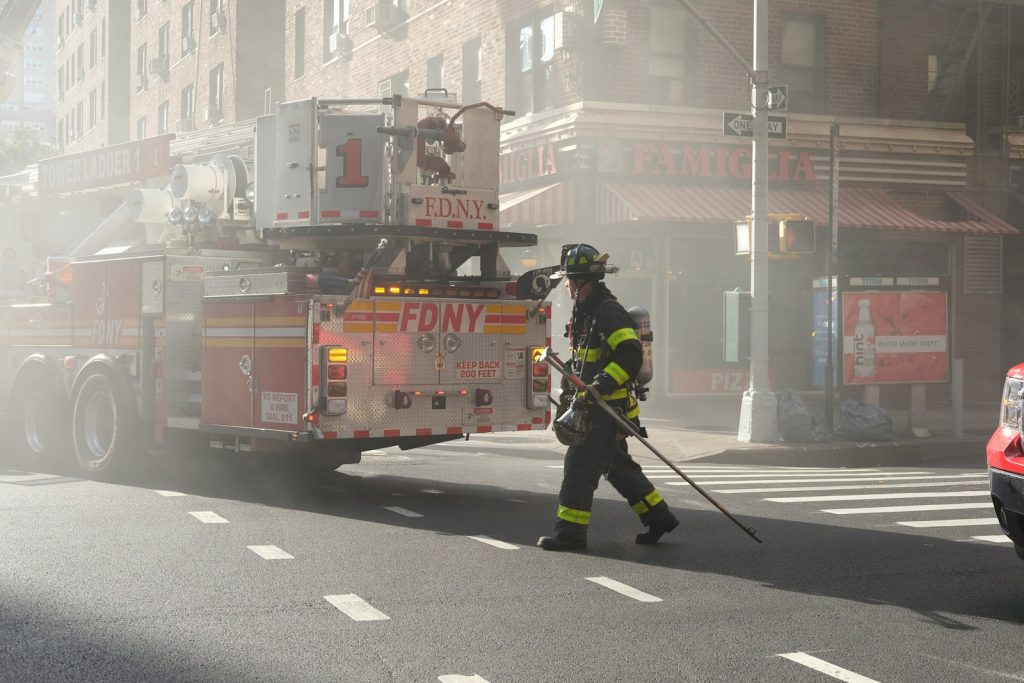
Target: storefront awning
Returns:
[858, 208]
[547, 205]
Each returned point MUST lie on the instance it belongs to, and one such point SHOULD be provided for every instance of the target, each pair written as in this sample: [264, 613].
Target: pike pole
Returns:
[550, 357]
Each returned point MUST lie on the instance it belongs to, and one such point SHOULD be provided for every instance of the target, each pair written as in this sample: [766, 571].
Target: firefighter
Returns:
[606, 353]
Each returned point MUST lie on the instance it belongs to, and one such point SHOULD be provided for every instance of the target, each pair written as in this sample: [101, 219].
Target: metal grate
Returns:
[983, 265]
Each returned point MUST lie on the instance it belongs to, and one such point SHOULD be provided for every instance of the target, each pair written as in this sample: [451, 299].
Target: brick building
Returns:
[619, 140]
[30, 103]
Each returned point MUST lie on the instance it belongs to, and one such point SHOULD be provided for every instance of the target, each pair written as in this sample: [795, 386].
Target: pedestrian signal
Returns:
[796, 236]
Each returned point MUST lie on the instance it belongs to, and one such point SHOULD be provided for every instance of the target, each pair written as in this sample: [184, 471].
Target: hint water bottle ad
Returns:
[895, 337]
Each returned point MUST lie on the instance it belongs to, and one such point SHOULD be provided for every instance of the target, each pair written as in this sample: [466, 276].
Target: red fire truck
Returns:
[342, 290]
[1005, 452]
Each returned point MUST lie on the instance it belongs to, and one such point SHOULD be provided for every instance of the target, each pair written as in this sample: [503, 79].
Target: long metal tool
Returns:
[550, 357]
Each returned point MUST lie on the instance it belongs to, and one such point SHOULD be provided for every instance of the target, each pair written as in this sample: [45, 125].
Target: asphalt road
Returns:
[421, 566]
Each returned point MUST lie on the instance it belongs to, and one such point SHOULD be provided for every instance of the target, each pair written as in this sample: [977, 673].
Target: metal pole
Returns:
[758, 417]
[832, 262]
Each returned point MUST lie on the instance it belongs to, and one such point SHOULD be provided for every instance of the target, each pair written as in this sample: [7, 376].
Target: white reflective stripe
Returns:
[880, 496]
[43, 332]
[208, 517]
[622, 588]
[826, 668]
[496, 543]
[355, 607]
[280, 331]
[270, 552]
[227, 331]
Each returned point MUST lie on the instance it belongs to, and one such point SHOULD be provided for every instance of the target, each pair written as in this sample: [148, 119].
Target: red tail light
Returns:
[337, 371]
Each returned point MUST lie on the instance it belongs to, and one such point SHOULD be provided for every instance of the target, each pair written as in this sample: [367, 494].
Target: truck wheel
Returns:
[38, 420]
[104, 429]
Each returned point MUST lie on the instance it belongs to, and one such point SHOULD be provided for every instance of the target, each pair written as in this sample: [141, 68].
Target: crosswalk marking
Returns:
[857, 487]
[208, 517]
[994, 539]
[855, 476]
[932, 523]
[401, 511]
[170, 494]
[355, 607]
[879, 496]
[496, 543]
[622, 588]
[830, 480]
[909, 508]
[826, 668]
[270, 552]
[456, 678]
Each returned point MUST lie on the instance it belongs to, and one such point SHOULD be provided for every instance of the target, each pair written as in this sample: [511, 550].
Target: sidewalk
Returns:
[704, 428]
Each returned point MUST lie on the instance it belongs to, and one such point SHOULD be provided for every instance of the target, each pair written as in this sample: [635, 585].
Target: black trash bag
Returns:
[862, 422]
[796, 423]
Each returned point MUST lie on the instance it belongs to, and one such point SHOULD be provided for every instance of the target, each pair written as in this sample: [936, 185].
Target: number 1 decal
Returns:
[352, 153]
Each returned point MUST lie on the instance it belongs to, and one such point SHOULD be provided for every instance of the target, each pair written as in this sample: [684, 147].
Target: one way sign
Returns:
[743, 125]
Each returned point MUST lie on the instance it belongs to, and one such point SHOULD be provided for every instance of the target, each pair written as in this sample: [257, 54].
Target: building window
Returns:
[188, 42]
[103, 100]
[217, 93]
[531, 65]
[188, 105]
[335, 26]
[81, 61]
[300, 43]
[396, 85]
[803, 59]
[103, 37]
[94, 49]
[92, 109]
[141, 8]
[218, 20]
[140, 128]
[163, 117]
[471, 71]
[671, 59]
[933, 71]
[79, 119]
[435, 72]
[141, 67]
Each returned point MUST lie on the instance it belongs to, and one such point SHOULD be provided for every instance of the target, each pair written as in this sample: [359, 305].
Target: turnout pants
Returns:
[603, 452]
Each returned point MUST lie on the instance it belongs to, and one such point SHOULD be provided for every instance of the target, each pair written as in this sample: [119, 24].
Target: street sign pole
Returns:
[833, 261]
[758, 409]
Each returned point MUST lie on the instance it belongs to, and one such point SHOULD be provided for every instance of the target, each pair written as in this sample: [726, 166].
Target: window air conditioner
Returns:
[79, 18]
[92, 4]
[160, 65]
[340, 44]
[218, 22]
[187, 44]
[383, 15]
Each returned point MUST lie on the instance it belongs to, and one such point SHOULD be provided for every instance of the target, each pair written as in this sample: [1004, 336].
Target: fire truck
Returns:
[341, 290]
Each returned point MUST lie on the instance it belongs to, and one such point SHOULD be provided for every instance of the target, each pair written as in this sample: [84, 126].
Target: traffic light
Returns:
[796, 236]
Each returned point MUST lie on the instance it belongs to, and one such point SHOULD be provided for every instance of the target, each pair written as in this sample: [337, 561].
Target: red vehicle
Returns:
[1005, 453]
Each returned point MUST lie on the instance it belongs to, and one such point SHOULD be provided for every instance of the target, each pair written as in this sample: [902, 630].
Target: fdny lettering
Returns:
[107, 332]
[456, 209]
[425, 316]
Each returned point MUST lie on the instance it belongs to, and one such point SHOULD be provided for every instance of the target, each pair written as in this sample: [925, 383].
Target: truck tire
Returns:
[104, 428]
[39, 421]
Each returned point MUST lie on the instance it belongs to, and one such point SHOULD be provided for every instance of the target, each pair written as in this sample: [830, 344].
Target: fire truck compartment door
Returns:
[280, 363]
[489, 351]
[296, 160]
[228, 370]
[107, 305]
[405, 343]
[353, 185]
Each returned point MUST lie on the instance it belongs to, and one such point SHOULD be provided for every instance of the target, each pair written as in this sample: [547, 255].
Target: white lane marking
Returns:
[456, 678]
[880, 496]
[792, 489]
[993, 539]
[401, 511]
[496, 543]
[270, 552]
[909, 508]
[831, 480]
[432, 491]
[982, 521]
[853, 476]
[516, 500]
[18, 478]
[207, 517]
[622, 588]
[651, 472]
[170, 494]
[826, 668]
[355, 607]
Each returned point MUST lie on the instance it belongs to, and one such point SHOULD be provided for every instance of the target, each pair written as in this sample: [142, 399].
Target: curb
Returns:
[967, 452]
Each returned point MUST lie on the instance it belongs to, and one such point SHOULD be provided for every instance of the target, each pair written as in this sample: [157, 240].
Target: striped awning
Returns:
[858, 208]
[546, 205]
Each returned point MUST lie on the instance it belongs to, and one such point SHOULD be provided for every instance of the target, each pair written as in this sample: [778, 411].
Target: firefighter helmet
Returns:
[583, 260]
[572, 420]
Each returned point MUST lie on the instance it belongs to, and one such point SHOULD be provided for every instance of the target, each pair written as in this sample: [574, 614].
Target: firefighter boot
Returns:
[560, 541]
[658, 528]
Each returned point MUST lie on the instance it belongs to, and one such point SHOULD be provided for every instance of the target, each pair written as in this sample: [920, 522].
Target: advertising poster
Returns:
[895, 337]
